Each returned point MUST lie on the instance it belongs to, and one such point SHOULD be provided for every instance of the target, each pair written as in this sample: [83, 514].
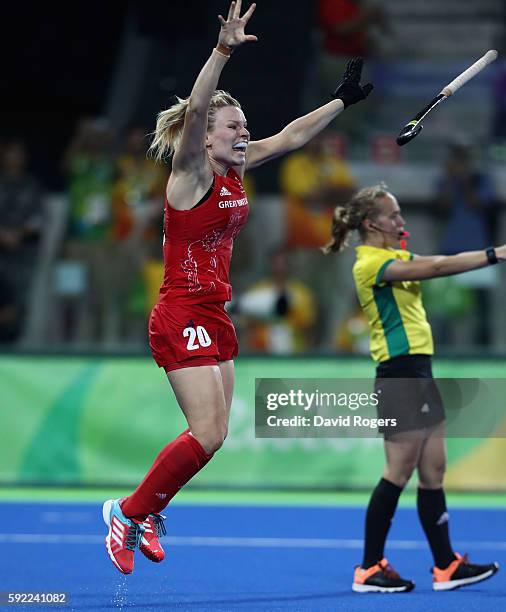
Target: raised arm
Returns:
[422, 268]
[299, 132]
[191, 155]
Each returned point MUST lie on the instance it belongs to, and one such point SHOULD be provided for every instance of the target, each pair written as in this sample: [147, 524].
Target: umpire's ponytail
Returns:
[348, 217]
[340, 230]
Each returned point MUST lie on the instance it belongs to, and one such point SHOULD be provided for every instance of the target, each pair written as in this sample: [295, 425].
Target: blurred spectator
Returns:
[138, 190]
[313, 181]
[277, 314]
[137, 217]
[89, 168]
[466, 197]
[21, 219]
[451, 306]
[353, 331]
[346, 27]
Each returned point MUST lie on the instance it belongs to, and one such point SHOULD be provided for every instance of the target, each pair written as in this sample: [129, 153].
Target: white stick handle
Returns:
[469, 73]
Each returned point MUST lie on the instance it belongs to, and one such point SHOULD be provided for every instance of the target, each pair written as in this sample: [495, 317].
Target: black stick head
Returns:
[408, 132]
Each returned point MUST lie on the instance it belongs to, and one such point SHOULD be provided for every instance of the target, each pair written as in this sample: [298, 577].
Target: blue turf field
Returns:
[239, 557]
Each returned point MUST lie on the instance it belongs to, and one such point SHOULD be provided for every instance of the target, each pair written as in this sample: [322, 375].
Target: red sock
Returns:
[175, 465]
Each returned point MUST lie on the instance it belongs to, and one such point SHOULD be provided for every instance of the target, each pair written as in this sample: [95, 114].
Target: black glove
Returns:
[349, 89]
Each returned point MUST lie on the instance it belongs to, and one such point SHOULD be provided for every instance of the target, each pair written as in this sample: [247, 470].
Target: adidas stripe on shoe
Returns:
[123, 536]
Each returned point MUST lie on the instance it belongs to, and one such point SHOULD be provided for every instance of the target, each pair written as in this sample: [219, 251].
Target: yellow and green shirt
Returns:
[394, 310]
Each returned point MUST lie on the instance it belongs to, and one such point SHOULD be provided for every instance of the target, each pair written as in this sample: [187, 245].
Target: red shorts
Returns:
[183, 336]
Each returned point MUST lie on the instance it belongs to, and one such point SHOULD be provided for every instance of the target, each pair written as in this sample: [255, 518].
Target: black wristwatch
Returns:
[491, 256]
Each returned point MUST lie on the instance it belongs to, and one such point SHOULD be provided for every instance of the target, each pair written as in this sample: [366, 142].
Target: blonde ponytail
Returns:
[169, 128]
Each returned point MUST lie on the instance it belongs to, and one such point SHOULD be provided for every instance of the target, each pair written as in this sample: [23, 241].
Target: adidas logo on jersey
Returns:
[224, 191]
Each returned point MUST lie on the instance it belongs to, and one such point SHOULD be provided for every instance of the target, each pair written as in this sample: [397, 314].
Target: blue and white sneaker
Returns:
[123, 537]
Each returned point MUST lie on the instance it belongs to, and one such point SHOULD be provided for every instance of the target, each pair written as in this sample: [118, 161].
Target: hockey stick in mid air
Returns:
[414, 127]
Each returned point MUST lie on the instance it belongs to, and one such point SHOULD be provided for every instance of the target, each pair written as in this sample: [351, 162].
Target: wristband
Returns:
[491, 256]
[223, 49]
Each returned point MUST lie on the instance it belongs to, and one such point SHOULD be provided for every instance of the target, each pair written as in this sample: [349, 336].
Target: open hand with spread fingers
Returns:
[349, 89]
[232, 29]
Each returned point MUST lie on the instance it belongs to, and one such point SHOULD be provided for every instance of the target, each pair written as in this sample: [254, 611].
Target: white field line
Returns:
[241, 542]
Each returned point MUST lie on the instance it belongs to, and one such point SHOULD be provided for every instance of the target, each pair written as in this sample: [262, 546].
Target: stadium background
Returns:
[92, 411]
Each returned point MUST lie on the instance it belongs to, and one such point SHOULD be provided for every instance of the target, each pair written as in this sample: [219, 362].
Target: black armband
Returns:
[491, 256]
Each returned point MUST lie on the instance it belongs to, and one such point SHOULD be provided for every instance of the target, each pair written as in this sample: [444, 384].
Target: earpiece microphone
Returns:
[403, 234]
